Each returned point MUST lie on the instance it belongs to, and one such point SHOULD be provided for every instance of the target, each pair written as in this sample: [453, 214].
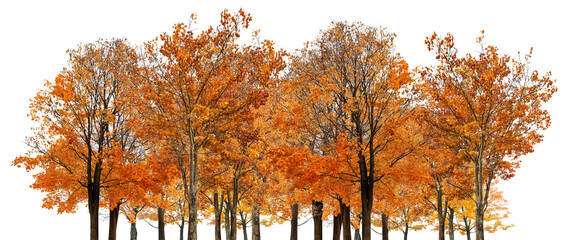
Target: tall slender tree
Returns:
[489, 107]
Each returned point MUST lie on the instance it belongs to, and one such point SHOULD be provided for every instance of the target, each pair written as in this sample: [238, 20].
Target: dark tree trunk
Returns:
[255, 223]
[294, 216]
[93, 203]
[243, 220]
[113, 223]
[385, 229]
[366, 209]
[345, 213]
[479, 224]
[227, 217]
[233, 208]
[133, 231]
[218, 214]
[181, 227]
[366, 189]
[406, 231]
[441, 229]
[193, 178]
[161, 224]
[357, 234]
[451, 225]
[233, 227]
[317, 211]
[337, 222]
[467, 227]
[366, 171]
[93, 182]
[244, 232]
[441, 213]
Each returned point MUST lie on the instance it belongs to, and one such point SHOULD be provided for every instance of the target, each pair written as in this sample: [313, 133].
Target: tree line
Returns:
[198, 127]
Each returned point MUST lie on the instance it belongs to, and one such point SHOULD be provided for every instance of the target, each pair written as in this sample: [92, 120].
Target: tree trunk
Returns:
[243, 220]
[345, 213]
[479, 198]
[479, 223]
[357, 234]
[467, 227]
[113, 223]
[337, 222]
[233, 227]
[181, 227]
[161, 224]
[255, 223]
[441, 213]
[406, 231]
[294, 216]
[385, 229]
[133, 231]
[244, 231]
[317, 211]
[218, 214]
[451, 225]
[192, 222]
[93, 203]
[193, 171]
[366, 192]
[227, 217]
[233, 208]
[366, 210]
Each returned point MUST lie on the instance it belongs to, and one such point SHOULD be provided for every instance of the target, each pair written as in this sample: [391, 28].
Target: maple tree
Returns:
[356, 83]
[199, 85]
[83, 145]
[489, 108]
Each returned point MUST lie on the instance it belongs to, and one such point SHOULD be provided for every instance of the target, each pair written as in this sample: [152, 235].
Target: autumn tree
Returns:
[354, 70]
[83, 145]
[197, 85]
[490, 107]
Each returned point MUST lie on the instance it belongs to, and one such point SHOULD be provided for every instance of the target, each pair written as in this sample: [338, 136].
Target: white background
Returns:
[34, 36]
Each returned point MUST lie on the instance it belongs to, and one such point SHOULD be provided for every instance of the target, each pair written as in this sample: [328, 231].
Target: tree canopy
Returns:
[200, 125]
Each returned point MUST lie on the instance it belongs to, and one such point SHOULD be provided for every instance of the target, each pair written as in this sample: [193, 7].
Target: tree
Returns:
[198, 85]
[353, 69]
[489, 108]
[83, 145]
